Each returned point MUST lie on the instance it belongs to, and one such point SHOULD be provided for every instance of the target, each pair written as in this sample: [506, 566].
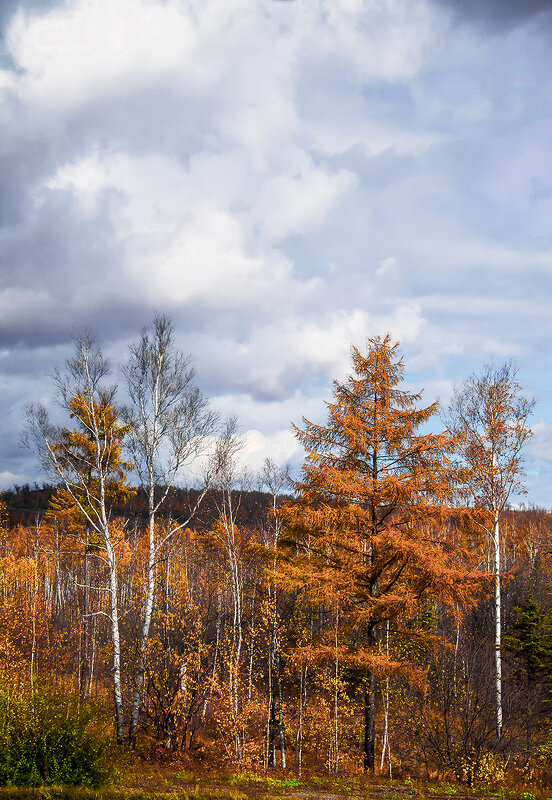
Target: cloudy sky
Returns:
[282, 178]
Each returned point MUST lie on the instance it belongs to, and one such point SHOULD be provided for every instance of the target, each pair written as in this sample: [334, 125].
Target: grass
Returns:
[136, 779]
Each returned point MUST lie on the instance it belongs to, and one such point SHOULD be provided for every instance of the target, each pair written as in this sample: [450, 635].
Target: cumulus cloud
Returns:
[282, 447]
[283, 179]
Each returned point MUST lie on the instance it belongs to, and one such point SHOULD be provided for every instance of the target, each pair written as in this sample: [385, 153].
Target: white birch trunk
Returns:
[92, 659]
[498, 630]
[146, 623]
[115, 639]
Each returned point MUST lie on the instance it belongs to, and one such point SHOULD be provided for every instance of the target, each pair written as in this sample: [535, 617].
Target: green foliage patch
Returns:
[48, 740]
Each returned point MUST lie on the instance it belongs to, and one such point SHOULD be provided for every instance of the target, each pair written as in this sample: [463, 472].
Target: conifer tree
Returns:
[531, 641]
[367, 522]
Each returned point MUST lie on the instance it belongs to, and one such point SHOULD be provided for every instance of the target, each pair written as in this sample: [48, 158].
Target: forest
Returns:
[387, 611]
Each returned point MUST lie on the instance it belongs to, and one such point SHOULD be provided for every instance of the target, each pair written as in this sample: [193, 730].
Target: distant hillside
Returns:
[28, 505]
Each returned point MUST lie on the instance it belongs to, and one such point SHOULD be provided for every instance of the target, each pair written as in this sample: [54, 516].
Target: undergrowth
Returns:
[45, 739]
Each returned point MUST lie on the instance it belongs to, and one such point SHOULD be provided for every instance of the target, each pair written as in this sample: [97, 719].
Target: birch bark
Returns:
[170, 428]
[88, 462]
[489, 417]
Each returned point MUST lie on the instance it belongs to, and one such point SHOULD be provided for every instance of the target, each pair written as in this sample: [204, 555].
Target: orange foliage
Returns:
[369, 522]
[368, 525]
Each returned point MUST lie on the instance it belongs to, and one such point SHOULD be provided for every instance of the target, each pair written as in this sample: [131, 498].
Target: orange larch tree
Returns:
[367, 524]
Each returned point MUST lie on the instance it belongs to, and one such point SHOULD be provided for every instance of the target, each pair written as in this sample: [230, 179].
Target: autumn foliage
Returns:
[342, 622]
[368, 525]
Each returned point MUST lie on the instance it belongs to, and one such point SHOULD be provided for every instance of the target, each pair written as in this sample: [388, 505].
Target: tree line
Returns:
[386, 611]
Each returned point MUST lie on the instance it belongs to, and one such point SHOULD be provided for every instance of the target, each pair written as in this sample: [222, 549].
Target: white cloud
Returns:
[204, 231]
[286, 351]
[295, 203]
[383, 41]
[281, 446]
[89, 49]
[283, 179]
[9, 479]
[540, 445]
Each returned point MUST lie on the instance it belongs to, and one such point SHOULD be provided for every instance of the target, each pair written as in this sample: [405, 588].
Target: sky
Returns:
[281, 178]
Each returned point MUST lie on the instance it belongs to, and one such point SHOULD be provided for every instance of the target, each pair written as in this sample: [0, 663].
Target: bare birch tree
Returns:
[171, 425]
[274, 480]
[489, 416]
[229, 482]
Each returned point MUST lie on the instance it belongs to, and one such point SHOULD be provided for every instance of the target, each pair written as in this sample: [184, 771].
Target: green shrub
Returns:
[46, 739]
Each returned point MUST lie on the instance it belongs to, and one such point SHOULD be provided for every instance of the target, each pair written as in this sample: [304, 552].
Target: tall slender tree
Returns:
[170, 425]
[274, 480]
[364, 525]
[489, 416]
[88, 462]
[229, 481]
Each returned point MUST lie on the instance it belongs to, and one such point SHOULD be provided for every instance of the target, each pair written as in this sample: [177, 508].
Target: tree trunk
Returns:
[385, 746]
[237, 635]
[85, 661]
[498, 631]
[302, 704]
[369, 722]
[92, 659]
[144, 634]
[281, 732]
[270, 760]
[117, 687]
